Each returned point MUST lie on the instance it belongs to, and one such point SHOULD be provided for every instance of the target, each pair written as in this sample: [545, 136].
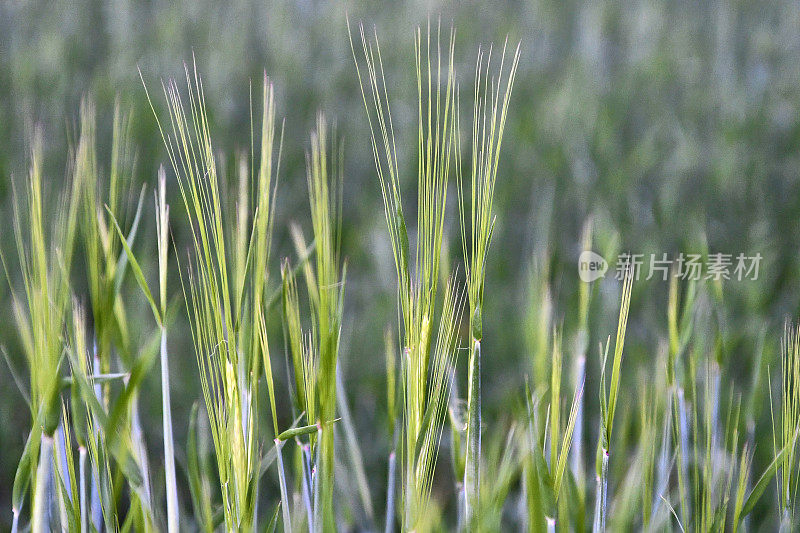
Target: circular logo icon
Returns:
[591, 266]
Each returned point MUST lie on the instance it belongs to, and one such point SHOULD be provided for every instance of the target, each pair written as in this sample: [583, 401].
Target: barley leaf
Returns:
[765, 479]
[68, 507]
[567, 441]
[122, 262]
[273, 522]
[297, 432]
[137, 270]
[22, 477]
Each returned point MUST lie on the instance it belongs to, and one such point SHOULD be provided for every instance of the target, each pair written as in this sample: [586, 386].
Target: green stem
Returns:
[601, 504]
[42, 496]
[315, 483]
[472, 466]
[306, 464]
[576, 453]
[287, 521]
[173, 516]
[390, 494]
[84, 509]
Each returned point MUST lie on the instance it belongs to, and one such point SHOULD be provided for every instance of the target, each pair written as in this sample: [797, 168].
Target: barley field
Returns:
[401, 266]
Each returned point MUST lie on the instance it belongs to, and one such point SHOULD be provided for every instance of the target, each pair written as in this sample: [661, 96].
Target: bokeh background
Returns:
[674, 125]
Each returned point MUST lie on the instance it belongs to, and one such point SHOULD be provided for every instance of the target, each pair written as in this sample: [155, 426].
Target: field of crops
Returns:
[476, 266]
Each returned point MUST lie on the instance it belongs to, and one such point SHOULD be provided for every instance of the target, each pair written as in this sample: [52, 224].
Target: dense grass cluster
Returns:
[681, 452]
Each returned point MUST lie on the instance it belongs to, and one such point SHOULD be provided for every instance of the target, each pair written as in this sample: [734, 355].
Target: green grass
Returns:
[785, 436]
[41, 317]
[490, 111]
[227, 291]
[274, 441]
[314, 352]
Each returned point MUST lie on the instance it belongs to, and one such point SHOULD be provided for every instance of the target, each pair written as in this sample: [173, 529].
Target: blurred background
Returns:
[674, 125]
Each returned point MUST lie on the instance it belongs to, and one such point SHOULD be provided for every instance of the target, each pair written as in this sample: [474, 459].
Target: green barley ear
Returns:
[608, 404]
[542, 505]
[103, 208]
[784, 441]
[418, 271]
[442, 362]
[680, 328]
[490, 110]
[293, 334]
[227, 299]
[547, 478]
[538, 322]
[619, 344]
[324, 176]
[104, 202]
[315, 355]
[45, 259]
[789, 420]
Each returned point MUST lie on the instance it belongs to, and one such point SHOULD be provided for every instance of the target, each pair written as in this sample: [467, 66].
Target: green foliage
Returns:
[684, 391]
[227, 291]
[425, 382]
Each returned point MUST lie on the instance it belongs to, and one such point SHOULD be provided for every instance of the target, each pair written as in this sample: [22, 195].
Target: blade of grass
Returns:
[162, 231]
[354, 451]
[567, 441]
[287, 521]
[23, 475]
[765, 479]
